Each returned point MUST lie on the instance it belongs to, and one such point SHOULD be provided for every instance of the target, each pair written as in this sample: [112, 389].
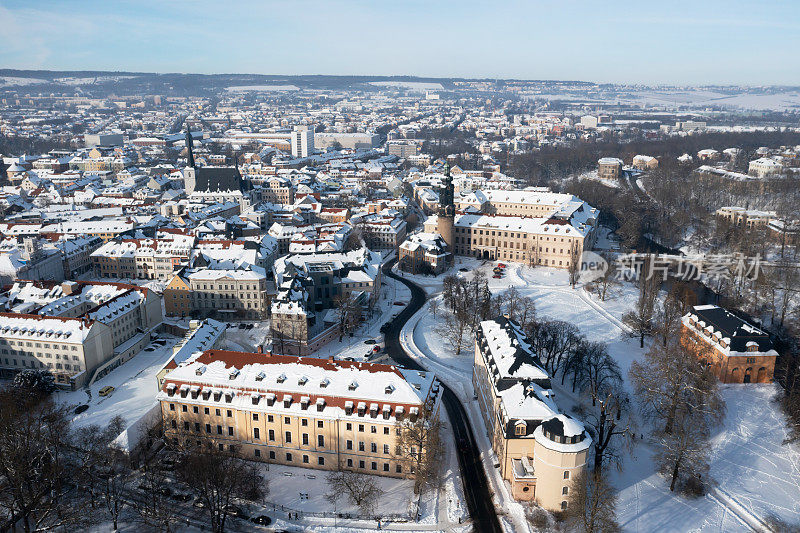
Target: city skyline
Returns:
[624, 43]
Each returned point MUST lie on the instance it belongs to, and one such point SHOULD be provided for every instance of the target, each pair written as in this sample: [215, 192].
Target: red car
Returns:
[497, 276]
[501, 265]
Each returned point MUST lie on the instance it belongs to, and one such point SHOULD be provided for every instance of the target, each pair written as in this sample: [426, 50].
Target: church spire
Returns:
[189, 147]
[446, 197]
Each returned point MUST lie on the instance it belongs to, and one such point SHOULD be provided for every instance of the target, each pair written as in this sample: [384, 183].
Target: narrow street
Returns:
[476, 486]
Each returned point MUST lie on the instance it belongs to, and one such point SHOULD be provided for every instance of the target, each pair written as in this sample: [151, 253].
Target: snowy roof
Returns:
[245, 375]
[725, 328]
[53, 329]
[506, 348]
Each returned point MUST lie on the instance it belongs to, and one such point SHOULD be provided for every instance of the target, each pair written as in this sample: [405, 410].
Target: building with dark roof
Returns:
[735, 350]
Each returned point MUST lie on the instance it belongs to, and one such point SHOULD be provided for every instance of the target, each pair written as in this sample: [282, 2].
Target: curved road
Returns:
[476, 486]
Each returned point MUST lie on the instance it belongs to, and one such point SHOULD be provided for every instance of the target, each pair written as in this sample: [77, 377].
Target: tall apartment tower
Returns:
[447, 208]
[303, 141]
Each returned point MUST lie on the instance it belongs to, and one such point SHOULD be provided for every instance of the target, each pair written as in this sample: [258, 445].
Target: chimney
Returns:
[330, 358]
[260, 348]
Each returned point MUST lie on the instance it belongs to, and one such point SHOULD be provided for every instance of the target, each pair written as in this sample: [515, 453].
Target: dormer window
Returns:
[256, 398]
[389, 389]
[287, 401]
[228, 397]
[362, 408]
[304, 401]
[320, 404]
[348, 408]
[520, 428]
[200, 370]
[281, 378]
[302, 380]
[217, 395]
[324, 383]
[353, 386]
[260, 376]
[206, 394]
[234, 374]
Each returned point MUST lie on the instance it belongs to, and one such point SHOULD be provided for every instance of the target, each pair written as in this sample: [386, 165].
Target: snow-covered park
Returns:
[757, 474]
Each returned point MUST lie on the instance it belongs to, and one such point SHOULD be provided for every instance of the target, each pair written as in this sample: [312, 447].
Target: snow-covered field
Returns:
[748, 460]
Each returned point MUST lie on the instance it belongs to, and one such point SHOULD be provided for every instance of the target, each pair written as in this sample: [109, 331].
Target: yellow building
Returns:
[539, 449]
[299, 411]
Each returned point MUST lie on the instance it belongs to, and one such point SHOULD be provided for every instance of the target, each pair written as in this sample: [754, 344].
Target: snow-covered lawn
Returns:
[304, 490]
[748, 459]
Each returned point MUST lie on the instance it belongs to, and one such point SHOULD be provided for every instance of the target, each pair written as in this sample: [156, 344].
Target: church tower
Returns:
[190, 172]
[447, 208]
[189, 148]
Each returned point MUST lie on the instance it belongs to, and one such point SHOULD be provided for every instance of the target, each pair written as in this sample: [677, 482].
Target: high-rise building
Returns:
[302, 141]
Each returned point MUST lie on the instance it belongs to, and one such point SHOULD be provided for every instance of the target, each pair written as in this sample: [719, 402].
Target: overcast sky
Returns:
[666, 41]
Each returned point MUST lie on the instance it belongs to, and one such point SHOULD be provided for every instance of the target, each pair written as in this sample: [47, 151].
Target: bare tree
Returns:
[348, 312]
[606, 282]
[668, 316]
[683, 454]
[611, 424]
[453, 328]
[420, 445]
[34, 442]
[592, 506]
[671, 380]
[433, 306]
[217, 477]
[574, 265]
[599, 373]
[553, 341]
[154, 510]
[361, 490]
[641, 318]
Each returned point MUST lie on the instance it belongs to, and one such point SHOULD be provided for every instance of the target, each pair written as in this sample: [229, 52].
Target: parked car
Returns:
[462, 269]
[501, 265]
[376, 349]
[250, 326]
[81, 408]
[261, 520]
[497, 276]
[105, 391]
[369, 341]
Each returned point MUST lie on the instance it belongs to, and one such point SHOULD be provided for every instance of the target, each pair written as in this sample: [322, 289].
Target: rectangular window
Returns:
[305, 459]
[321, 461]
[257, 452]
[289, 457]
[230, 431]
[305, 439]
[288, 438]
[272, 455]
[256, 434]
[321, 440]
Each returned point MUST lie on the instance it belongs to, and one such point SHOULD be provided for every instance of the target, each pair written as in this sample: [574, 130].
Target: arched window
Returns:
[564, 505]
[566, 474]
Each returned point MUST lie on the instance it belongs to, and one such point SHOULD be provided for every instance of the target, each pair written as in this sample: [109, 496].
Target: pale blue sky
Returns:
[665, 41]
